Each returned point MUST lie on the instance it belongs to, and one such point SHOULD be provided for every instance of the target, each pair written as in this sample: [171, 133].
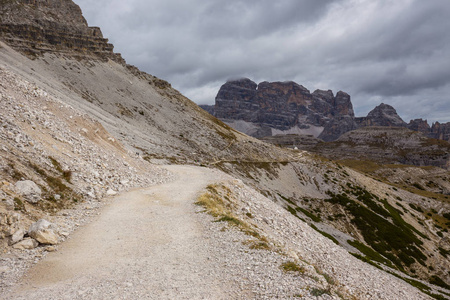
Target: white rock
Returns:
[43, 231]
[29, 190]
[17, 236]
[111, 192]
[26, 244]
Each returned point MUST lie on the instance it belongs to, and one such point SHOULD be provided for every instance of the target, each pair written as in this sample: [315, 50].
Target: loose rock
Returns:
[43, 232]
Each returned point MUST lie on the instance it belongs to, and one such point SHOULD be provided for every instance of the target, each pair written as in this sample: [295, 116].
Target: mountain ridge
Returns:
[331, 115]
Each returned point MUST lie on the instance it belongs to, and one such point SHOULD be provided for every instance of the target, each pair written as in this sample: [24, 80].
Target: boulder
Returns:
[17, 236]
[44, 232]
[29, 190]
[26, 244]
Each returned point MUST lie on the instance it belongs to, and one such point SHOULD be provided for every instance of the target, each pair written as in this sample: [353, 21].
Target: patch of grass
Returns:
[439, 282]
[259, 245]
[417, 208]
[18, 204]
[394, 240]
[309, 214]
[230, 219]
[319, 292]
[216, 201]
[291, 266]
[369, 252]
[325, 234]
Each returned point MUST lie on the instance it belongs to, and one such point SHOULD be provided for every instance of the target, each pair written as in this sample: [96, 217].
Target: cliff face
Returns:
[279, 105]
[34, 27]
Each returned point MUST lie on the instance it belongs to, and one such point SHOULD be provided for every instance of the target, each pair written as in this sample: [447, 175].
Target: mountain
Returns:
[78, 124]
[278, 108]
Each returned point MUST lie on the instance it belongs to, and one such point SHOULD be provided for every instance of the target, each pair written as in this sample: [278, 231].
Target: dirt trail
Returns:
[145, 244]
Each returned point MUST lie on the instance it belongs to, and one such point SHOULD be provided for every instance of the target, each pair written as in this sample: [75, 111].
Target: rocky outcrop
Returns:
[382, 115]
[34, 27]
[440, 131]
[279, 105]
[419, 125]
[437, 130]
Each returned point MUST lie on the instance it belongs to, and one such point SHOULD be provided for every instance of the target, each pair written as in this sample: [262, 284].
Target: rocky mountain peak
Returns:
[382, 115]
[278, 107]
[35, 27]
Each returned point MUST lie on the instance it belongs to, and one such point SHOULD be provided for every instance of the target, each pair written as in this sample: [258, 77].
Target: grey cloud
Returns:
[392, 51]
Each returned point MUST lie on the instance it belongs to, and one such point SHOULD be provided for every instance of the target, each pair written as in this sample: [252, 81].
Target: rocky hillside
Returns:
[280, 108]
[388, 145]
[80, 125]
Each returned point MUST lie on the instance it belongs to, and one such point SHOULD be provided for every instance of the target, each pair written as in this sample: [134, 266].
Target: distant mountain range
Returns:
[272, 108]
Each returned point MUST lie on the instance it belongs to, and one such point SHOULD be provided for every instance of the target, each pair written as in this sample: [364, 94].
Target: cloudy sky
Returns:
[391, 51]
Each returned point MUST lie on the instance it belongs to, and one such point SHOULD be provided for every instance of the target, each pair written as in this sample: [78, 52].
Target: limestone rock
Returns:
[44, 232]
[17, 237]
[39, 26]
[26, 244]
[29, 190]
[111, 192]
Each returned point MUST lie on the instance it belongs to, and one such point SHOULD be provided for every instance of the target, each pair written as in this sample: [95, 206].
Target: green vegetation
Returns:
[18, 204]
[291, 266]
[325, 234]
[309, 214]
[383, 230]
[439, 282]
[319, 292]
[369, 253]
[216, 201]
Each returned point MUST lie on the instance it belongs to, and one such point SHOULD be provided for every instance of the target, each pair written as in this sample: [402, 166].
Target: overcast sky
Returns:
[391, 51]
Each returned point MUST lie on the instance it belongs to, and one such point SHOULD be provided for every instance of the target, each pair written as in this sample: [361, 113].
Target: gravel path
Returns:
[147, 243]
[154, 243]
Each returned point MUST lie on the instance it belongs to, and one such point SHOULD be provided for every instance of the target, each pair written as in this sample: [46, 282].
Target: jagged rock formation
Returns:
[437, 130]
[277, 108]
[382, 115]
[281, 106]
[51, 26]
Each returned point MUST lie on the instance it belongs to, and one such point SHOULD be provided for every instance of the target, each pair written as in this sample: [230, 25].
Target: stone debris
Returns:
[34, 127]
[44, 232]
[26, 244]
